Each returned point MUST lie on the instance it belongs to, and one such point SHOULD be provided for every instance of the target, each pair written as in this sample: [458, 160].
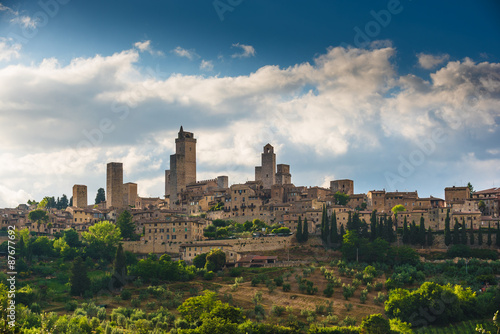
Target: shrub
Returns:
[208, 276]
[286, 287]
[348, 307]
[125, 294]
[375, 324]
[135, 302]
[349, 321]
[380, 298]
[378, 286]
[278, 281]
[348, 291]
[328, 292]
[277, 310]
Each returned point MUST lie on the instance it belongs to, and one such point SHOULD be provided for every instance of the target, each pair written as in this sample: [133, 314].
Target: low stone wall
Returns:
[238, 245]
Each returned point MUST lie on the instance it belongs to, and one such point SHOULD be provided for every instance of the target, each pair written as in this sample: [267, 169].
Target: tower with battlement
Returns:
[267, 172]
[182, 165]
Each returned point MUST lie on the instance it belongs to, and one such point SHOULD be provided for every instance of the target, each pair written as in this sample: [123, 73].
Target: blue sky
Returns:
[401, 95]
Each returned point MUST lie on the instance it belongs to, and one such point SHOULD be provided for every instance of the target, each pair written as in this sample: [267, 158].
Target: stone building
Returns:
[114, 185]
[182, 166]
[456, 195]
[129, 194]
[267, 171]
[80, 196]
[283, 175]
[344, 186]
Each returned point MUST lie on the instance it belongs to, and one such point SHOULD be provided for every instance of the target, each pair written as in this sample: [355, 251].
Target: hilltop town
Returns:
[180, 223]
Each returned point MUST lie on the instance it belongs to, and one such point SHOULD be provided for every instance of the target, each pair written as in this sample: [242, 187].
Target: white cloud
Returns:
[428, 61]
[145, 46]
[206, 65]
[25, 21]
[189, 54]
[346, 103]
[8, 50]
[9, 10]
[248, 51]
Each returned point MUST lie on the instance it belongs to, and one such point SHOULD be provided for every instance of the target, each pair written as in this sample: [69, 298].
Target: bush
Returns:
[125, 294]
[348, 291]
[375, 324]
[378, 286]
[71, 306]
[277, 310]
[286, 287]
[209, 275]
[328, 292]
[135, 302]
[278, 281]
[255, 281]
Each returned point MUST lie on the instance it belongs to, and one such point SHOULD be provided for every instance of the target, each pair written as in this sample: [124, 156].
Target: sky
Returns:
[396, 95]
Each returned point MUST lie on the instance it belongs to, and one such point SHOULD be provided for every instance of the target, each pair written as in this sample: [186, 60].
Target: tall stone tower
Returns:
[267, 172]
[283, 175]
[114, 185]
[79, 196]
[182, 165]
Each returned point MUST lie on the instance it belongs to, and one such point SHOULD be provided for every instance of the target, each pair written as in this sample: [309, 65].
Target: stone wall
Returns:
[238, 245]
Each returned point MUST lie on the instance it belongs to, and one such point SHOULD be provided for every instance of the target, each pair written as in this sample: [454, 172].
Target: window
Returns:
[174, 237]
[185, 236]
[173, 230]
[185, 229]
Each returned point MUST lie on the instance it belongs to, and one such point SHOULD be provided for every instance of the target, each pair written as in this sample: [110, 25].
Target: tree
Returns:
[305, 230]
[101, 196]
[341, 198]
[126, 225]
[63, 202]
[471, 189]
[38, 216]
[406, 233]
[79, 278]
[447, 232]
[71, 237]
[298, 235]
[463, 236]
[334, 234]
[71, 201]
[430, 237]
[480, 236]
[398, 208]
[421, 232]
[481, 206]
[471, 234]
[216, 259]
[193, 308]
[489, 242]
[326, 227]
[497, 241]
[119, 268]
[373, 225]
[375, 324]
[200, 260]
[102, 238]
[456, 233]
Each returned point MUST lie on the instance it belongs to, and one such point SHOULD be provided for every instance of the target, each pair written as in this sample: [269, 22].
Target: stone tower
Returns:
[129, 193]
[79, 196]
[267, 172]
[114, 185]
[283, 175]
[344, 186]
[182, 165]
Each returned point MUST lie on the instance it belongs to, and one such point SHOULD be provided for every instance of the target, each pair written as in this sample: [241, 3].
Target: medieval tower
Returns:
[79, 196]
[114, 185]
[267, 172]
[182, 165]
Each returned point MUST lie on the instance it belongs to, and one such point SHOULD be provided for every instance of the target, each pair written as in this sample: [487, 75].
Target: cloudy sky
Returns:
[396, 95]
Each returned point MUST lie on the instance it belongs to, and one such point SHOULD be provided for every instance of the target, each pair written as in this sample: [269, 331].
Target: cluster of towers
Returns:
[267, 174]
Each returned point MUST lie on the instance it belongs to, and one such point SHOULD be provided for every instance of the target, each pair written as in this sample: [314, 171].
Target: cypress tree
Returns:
[119, 268]
[421, 232]
[349, 222]
[489, 243]
[373, 225]
[334, 234]
[463, 237]
[342, 232]
[497, 242]
[381, 228]
[327, 228]
[298, 235]
[79, 278]
[447, 232]
[480, 236]
[305, 230]
[456, 233]
[430, 237]
[471, 234]
[413, 233]
[323, 235]
[406, 233]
